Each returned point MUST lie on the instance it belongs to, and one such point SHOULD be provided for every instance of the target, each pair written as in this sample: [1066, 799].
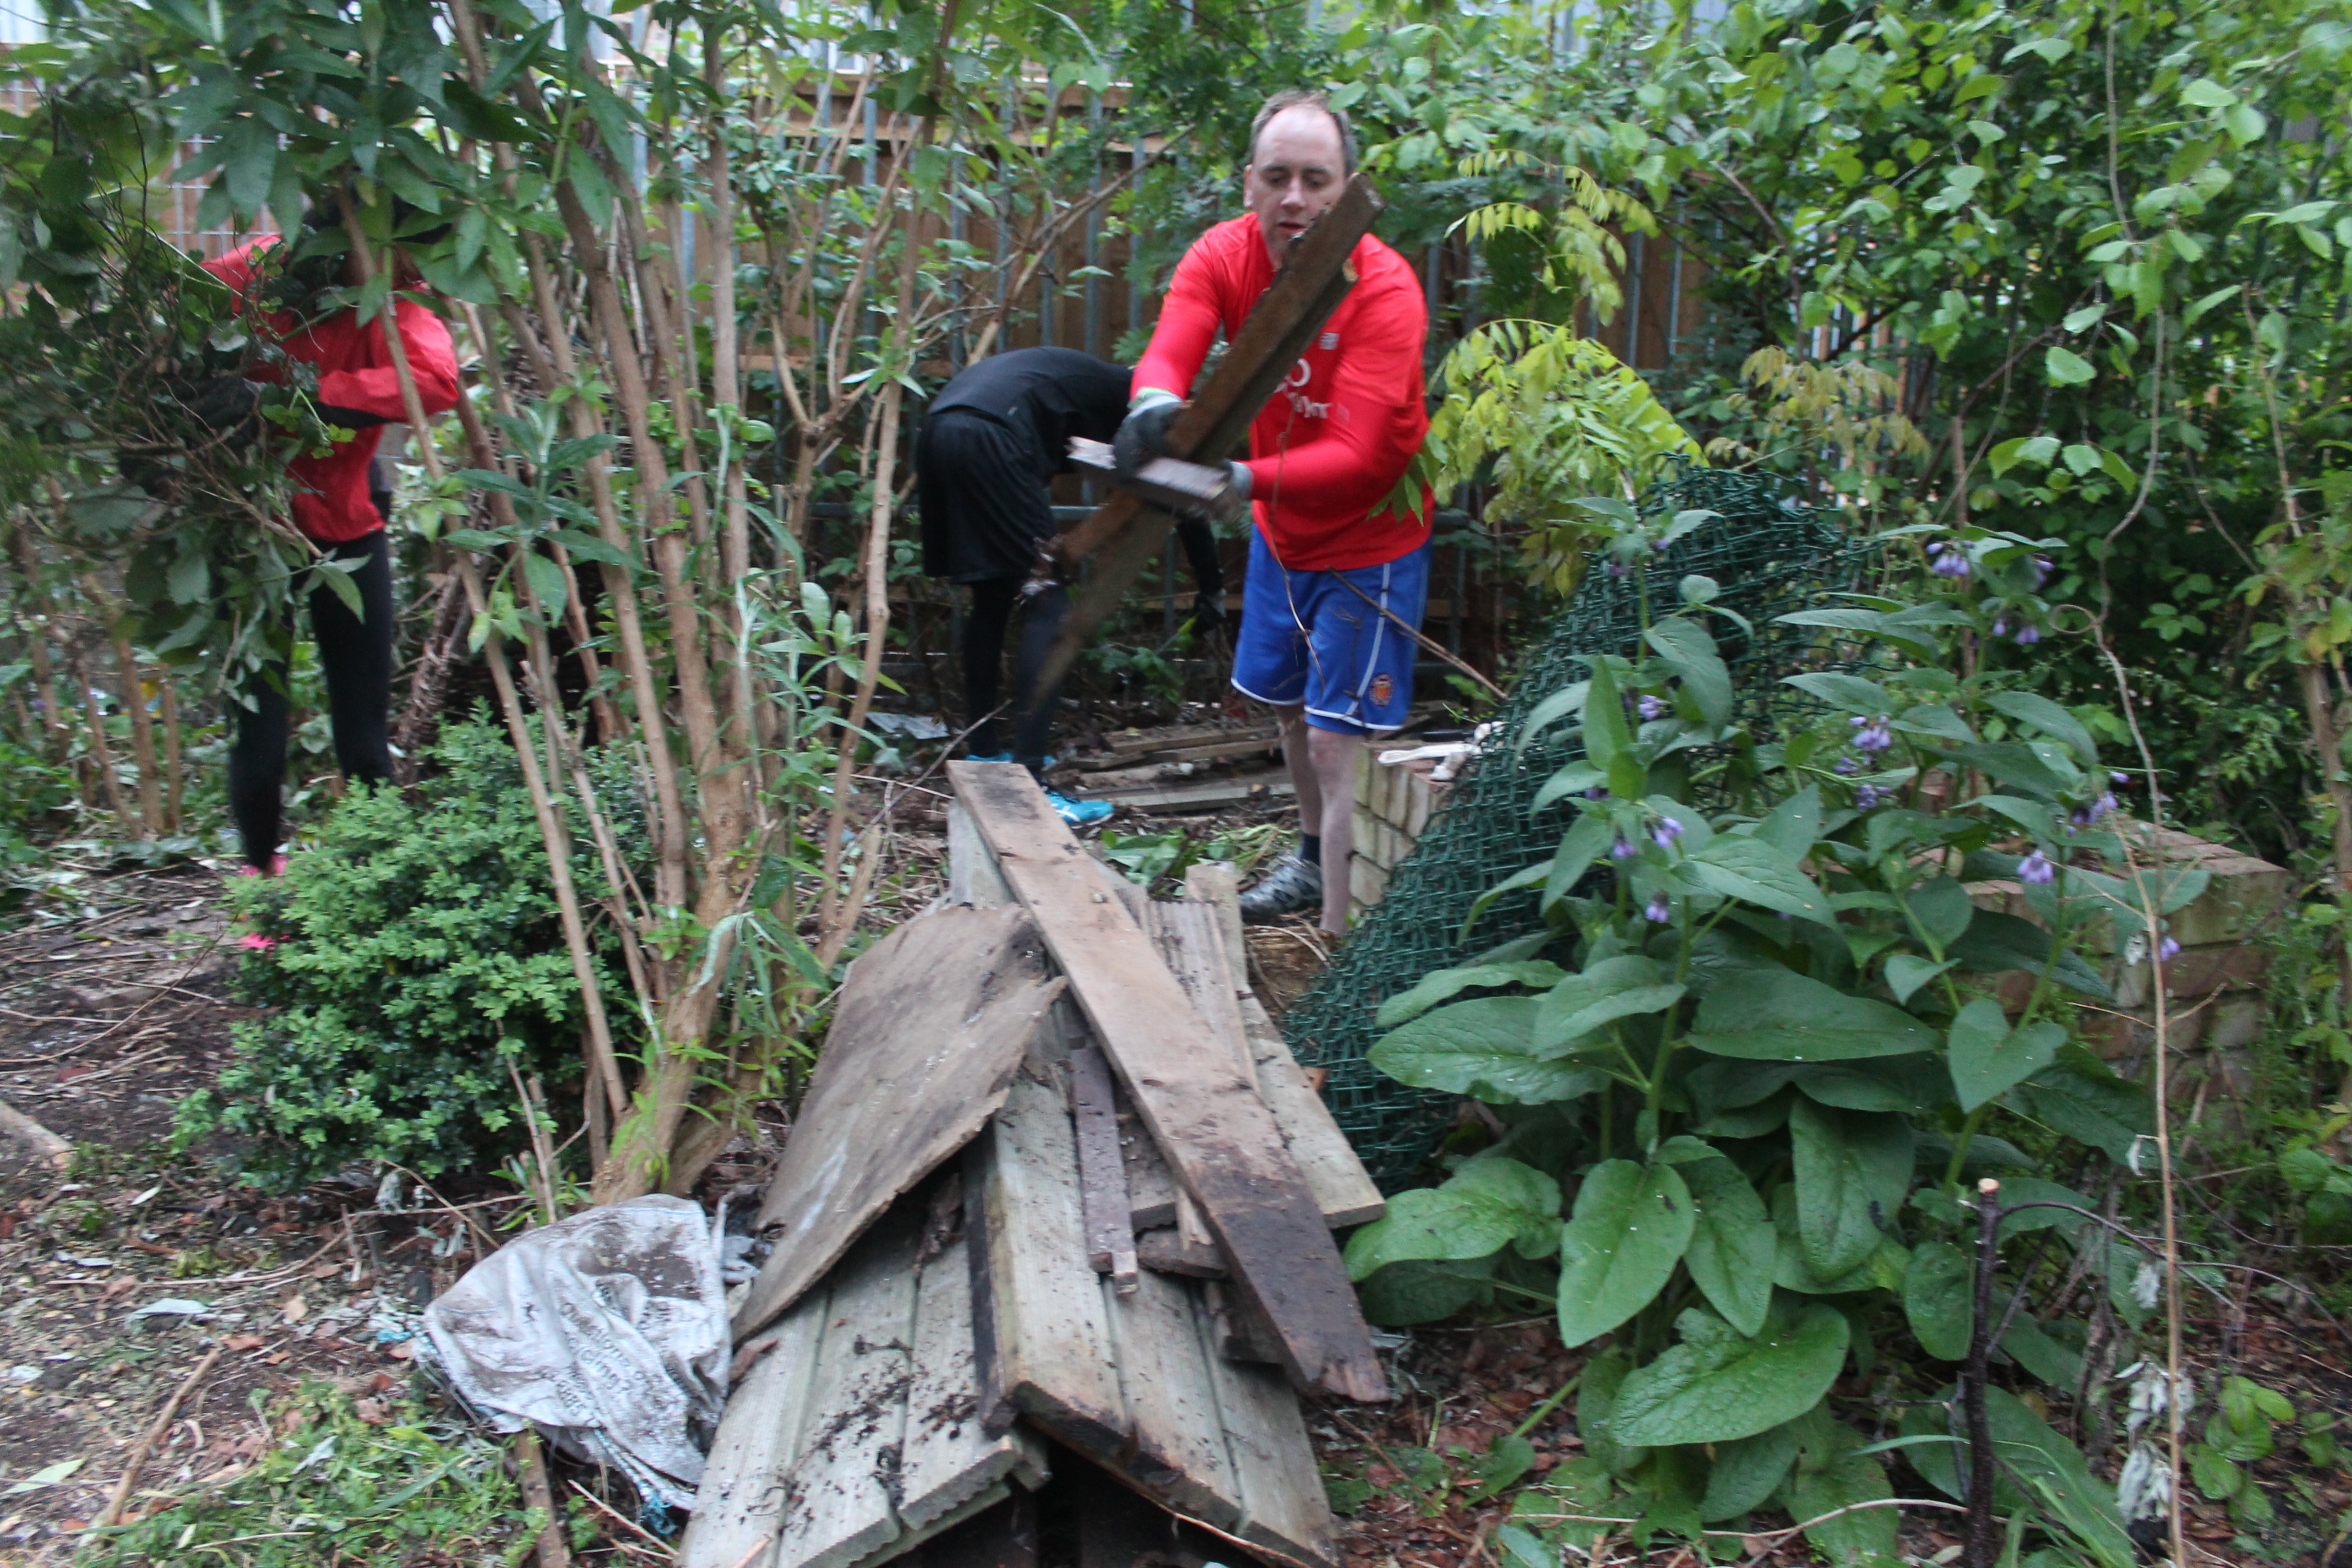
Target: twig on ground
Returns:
[531, 1465]
[112, 1512]
[669, 1553]
[43, 1144]
[1774, 1538]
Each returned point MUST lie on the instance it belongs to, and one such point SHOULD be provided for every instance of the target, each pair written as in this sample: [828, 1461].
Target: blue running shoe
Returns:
[1077, 813]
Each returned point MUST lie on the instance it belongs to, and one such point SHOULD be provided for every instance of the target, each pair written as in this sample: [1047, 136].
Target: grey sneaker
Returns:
[1293, 884]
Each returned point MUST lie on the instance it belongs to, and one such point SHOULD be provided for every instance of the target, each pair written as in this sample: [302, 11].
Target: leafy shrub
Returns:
[409, 956]
[1755, 1069]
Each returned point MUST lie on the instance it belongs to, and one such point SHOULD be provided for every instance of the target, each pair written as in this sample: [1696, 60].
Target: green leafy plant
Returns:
[345, 1481]
[1759, 1054]
[414, 965]
[2236, 1435]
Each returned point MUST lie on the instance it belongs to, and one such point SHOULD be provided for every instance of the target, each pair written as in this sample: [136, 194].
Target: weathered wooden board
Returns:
[1150, 1189]
[858, 1435]
[930, 1029]
[1216, 1133]
[742, 1503]
[1185, 932]
[1126, 1381]
[1102, 1170]
[1343, 1188]
[950, 1460]
[840, 1511]
[1170, 1251]
[1041, 1316]
[1285, 1510]
[1212, 794]
[972, 876]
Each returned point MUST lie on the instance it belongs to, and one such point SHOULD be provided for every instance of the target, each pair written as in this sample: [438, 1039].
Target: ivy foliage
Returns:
[1754, 1069]
[412, 962]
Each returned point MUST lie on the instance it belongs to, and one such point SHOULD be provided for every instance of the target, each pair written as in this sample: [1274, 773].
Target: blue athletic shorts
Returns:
[1310, 637]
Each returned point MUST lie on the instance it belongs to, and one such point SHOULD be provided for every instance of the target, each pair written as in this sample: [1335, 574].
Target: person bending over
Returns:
[342, 503]
[1337, 581]
[992, 442]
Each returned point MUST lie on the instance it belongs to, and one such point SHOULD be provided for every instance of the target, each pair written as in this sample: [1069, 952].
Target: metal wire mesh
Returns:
[1770, 556]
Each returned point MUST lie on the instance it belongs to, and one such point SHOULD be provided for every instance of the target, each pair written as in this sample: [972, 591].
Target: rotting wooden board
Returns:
[1216, 1133]
[1102, 1170]
[1343, 1188]
[1124, 1380]
[1041, 1318]
[972, 876]
[1150, 1188]
[929, 1030]
[1169, 1251]
[1187, 742]
[857, 1435]
[1185, 932]
[1213, 795]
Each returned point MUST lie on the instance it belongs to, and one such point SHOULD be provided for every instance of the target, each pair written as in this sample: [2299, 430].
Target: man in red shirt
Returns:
[340, 504]
[1336, 577]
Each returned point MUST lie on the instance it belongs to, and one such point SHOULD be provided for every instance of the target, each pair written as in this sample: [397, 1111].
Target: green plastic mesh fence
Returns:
[1770, 556]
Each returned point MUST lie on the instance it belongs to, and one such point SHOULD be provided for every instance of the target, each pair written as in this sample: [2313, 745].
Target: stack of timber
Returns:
[1059, 1196]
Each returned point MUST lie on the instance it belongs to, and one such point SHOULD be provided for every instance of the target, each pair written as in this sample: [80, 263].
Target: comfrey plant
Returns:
[1779, 1027]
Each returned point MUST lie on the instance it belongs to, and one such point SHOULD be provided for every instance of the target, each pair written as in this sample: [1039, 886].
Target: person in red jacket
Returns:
[342, 502]
[1338, 577]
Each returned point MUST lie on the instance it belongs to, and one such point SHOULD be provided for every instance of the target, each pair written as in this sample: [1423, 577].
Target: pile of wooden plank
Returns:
[1057, 1193]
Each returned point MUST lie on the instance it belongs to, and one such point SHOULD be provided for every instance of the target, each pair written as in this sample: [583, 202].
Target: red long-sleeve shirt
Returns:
[331, 504]
[1330, 446]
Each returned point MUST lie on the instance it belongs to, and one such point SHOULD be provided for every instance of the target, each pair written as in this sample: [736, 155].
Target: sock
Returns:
[1311, 848]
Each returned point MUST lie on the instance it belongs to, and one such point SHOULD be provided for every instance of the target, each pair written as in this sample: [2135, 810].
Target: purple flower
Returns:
[2168, 950]
[2085, 816]
[2036, 869]
[1657, 910]
[2028, 636]
[1872, 734]
[1597, 792]
[1659, 545]
[1651, 708]
[1664, 831]
[1620, 850]
[1947, 559]
[1615, 569]
[2000, 628]
[1847, 766]
[1868, 796]
[2118, 775]
[2040, 564]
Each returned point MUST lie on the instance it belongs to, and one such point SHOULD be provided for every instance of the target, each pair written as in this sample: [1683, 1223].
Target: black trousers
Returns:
[984, 632]
[355, 654]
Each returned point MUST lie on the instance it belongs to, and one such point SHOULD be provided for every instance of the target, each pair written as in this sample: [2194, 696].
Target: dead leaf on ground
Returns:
[242, 1342]
[296, 1309]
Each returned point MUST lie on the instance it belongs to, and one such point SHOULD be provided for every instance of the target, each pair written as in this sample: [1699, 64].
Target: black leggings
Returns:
[992, 600]
[355, 654]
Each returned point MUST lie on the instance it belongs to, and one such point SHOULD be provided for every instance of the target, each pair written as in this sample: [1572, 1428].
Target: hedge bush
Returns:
[407, 954]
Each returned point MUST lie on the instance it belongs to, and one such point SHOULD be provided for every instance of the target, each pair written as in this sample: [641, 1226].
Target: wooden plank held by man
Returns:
[1125, 534]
